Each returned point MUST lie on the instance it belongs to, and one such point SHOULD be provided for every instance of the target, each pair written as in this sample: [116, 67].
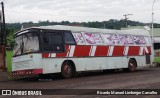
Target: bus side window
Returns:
[45, 40]
[69, 38]
[53, 42]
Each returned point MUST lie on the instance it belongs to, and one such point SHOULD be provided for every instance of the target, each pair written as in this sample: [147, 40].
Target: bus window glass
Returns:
[126, 39]
[53, 42]
[98, 38]
[31, 42]
[139, 40]
[79, 38]
[69, 38]
[89, 38]
[26, 43]
[17, 45]
[156, 46]
[111, 39]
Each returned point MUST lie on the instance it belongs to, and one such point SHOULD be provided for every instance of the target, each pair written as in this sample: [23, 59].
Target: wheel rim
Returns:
[132, 66]
[67, 69]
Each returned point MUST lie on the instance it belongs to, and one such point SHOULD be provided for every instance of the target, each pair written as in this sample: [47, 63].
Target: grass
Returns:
[9, 54]
[157, 59]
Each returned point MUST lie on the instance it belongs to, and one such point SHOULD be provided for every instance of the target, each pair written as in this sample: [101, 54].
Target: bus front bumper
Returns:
[27, 72]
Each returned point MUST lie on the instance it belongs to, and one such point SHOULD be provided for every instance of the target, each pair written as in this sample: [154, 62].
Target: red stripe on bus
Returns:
[45, 55]
[118, 51]
[144, 51]
[101, 50]
[149, 50]
[64, 54]
[81, 51]
[37, 71]
[27, 72]
[133, 50]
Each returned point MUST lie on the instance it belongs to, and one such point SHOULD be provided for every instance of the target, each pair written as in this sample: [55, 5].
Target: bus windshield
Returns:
[26, 43]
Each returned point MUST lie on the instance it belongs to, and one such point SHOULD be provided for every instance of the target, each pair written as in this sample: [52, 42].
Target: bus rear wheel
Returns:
[132, 65]
[67, 70]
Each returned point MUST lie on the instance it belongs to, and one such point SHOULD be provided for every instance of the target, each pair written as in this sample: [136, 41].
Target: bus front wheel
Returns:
[67, 70]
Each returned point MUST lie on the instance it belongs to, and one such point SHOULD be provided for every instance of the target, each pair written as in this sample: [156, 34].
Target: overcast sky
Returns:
[80, 10]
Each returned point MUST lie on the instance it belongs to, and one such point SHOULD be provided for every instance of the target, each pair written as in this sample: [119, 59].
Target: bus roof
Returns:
[76, 29]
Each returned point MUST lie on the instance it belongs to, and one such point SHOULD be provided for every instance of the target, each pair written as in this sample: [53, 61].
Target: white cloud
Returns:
[80, 10]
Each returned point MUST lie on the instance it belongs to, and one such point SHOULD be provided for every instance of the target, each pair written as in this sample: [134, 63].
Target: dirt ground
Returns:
[148, 78]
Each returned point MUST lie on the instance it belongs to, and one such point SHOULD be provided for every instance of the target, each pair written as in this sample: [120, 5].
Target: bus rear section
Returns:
[68, 50]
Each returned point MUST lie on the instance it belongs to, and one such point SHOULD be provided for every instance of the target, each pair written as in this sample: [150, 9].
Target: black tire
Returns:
[67, 70]
[132, 65]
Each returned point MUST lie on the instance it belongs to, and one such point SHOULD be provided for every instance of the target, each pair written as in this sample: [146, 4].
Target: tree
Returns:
[10, 39]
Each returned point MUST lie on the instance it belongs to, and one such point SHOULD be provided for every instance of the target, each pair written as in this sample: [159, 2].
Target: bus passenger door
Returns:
[148, 58]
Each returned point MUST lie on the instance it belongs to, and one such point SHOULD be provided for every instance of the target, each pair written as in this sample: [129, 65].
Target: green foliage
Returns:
[10, 39]
[110, 24]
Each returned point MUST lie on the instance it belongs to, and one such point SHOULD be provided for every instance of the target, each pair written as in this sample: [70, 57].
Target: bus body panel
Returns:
[53, 65]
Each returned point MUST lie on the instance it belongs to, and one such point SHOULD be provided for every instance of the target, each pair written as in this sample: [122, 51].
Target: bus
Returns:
[70, 50]
[156, 51]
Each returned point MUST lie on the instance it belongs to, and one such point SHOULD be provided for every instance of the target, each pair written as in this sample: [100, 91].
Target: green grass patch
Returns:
[157, 59]
[9, 54]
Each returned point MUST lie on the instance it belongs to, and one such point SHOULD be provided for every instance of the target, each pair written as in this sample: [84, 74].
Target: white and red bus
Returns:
[69, 50]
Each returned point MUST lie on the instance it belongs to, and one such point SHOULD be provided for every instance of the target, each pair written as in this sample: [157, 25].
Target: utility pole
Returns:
[126, 19]
[104, 25]
[4, 26]
[3, 36]
[152, 20]
[152, 25]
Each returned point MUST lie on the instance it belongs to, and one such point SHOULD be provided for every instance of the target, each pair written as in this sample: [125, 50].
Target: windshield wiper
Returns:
[20, 48]
[27, 38]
